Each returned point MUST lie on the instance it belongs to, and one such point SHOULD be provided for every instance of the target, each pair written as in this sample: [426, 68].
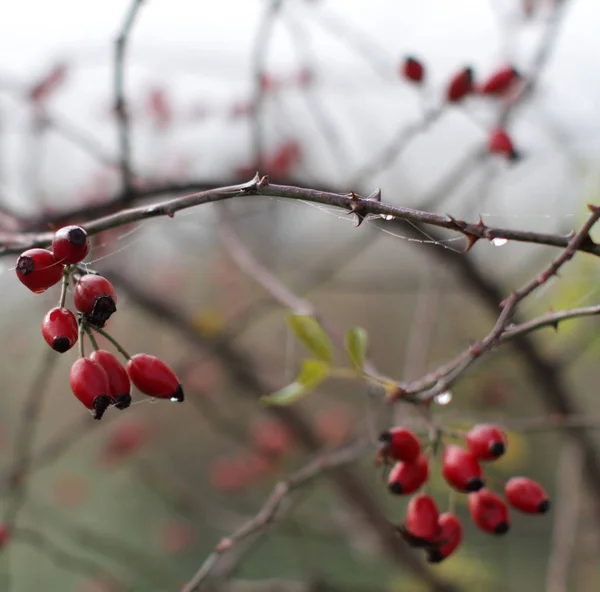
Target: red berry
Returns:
[405, 477]
[118, 379]
[412, 69]
[448, 539]
[95, 296]
[461, 469]
[486, 442]
[271, 437]
[400, 444]
[4, 535]
[499, 142]
[461, 84]
[89, 384]
[70, 244]
[59, 329]
[37, 269]
[154, 378]
[422, 517]
[489, 512]
[527, 495]
[500, 82]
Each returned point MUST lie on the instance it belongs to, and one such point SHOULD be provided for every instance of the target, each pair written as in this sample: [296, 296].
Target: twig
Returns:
[568, 501]
[121, 107]
[273, 504]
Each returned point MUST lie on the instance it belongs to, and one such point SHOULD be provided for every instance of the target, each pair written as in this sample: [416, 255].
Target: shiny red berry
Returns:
[95, 296]
[461, 469]
[412, 69]
[90, 385]
[461, 84]
[400, 444]
[499, 142]
[486, 441]
[489, 512]
[500, 82]
[118, 379]
[405, 477]
[448, 539]
[59, 329]
[527, 495]
[38, 270]
[422, 517]
[70, 244]
[154, 378]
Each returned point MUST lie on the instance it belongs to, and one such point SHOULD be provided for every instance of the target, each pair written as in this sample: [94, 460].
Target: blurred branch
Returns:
[352, 203]
[121, 107]
[272, 506]
[568, 500]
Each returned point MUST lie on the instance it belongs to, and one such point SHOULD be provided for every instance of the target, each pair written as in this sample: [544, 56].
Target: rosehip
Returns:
[527, 495]
[95, 296]
[271, 437]
[38, 269]
[449, 538]
[399, 444]
[406, 477]
[500, 82]
[59, 329]
[422, 517]
[461, 469]
[70, 244]
[154, 378]
[4, 535]
[89, 384]
[486, 442]
[499, 142]
[118, 379]
[412, 69]
[489, 512]
[461, 84]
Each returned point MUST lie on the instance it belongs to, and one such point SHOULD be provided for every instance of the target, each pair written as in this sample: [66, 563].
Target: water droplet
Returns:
[443, 398]
[499, 242]
[387, 217]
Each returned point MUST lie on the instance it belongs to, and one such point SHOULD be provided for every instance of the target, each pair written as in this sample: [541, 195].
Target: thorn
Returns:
[587, 241]
[459, 224]
[264, 181]
[359, 211]
[170, 213]
[376, 195]
[480, 223]
[592, 208]
[554, 325]
[353, 196]
[471, 240]
[256, 178]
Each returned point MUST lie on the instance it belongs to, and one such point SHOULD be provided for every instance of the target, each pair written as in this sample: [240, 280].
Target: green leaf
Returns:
[356, 346]
[311, 375]
[308, 330]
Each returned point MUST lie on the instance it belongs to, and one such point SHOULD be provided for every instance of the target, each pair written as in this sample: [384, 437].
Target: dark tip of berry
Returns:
[435, 556]
[515, 156]
[395, 488]
[497, 449]
[61, 344]
[474, 484]
[104, 307]
[470, 73]
[101, 404]
[544, 506]
[502, 528]
[385, 437]
[516, 73]
[25, 265]
[177, 396]
[123, 401]
[77, 236]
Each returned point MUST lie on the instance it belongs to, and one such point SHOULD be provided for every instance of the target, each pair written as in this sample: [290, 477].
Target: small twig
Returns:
[271, 507]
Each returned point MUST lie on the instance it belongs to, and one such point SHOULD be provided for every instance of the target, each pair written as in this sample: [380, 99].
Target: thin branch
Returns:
[121, 107]
[15, 243]
[272, 506]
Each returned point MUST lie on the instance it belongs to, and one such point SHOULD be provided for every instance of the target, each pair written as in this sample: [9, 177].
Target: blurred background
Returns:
[312, 93]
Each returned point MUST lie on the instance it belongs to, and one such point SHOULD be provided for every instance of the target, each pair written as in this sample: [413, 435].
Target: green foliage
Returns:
[309, 331]
[356, 346]
[312, 374]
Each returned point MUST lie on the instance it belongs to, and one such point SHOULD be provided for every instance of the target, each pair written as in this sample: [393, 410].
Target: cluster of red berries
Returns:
[99, 380]
[440, 534]
[462, 84]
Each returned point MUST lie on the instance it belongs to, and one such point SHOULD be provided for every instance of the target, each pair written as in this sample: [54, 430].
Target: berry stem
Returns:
[114, 342]
[81, 350]
[64, 286]
[91, 337]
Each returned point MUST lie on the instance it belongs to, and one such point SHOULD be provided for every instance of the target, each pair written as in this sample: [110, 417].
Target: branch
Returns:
[272, 506]
[15, 243]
